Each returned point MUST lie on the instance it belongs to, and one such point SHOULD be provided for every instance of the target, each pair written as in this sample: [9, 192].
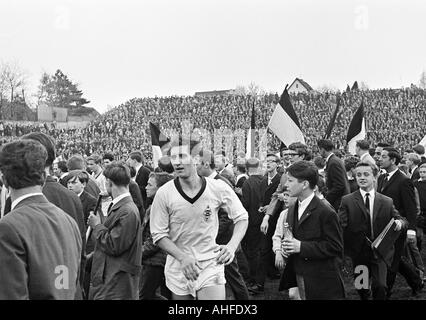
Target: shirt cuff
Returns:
[411, 232]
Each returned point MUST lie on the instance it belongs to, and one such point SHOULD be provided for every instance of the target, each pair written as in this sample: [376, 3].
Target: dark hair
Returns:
[62, 165]
[118, 173]
[96, 158]
[165, 164]
[136, 155]
[304, 170]
[383, 144]
[419, 149]
[47, 142]
[76, 162]
[319, 162]
[301, 149]
[321, 185]
[161, 178]
[393, 154]
[132, 172]
[363, 144]
[207, 156]
[350, 162]
[81, 175]
[277, 159]
[108, 156]
[373, 167]
[326, 144]
[241, 168]
[22, 163]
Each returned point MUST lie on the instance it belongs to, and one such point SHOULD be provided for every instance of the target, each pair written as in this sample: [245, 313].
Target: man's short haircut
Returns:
[423, 165]
[62, 165]
[76, 162]
[363, 144]
[80, 175]
[304, 170]
[319, 162]
[373, 167]
[108, 156]
[194, 145]
[47, 142]
[207, 157]
[393, 154]
[419, 149]
[326, 144]
[118, 173]
[22, 163]
[136, 155]
[415, 158]
[350, 162]
[241, 168]
[165, 164]
[161, 178]
[277, 159]
[301, 149]
[95, 158]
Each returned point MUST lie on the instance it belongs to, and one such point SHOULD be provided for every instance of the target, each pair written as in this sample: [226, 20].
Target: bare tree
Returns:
[14, 77]
[363, 86]
[422, 81]
[252, 89]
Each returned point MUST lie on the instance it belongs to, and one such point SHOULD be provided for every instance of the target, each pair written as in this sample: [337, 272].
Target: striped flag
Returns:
[158, 140]
[250, 135]
[356, 129]
[284, 123]
[332, 120]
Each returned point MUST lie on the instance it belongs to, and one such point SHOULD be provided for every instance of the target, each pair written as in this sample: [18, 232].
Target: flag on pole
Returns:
[158, 140]
[357, 129]
[284, 123]
[332, 120]
[423, 141]
[250, 135]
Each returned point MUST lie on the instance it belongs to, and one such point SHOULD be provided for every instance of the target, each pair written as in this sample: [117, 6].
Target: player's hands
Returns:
[265, 224]
[291, 246]
[190, 268]
[225, 254]
[279, 260]
[93, 220]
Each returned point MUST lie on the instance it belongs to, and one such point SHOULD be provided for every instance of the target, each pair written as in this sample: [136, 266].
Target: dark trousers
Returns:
[152, 277]
[252, 244]
[402, 265]
[377, 271]
[235, 281]
[267, 259]
[243, 267]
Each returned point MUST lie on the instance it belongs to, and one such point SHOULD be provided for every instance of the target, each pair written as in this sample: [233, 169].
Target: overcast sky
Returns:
[117, 50]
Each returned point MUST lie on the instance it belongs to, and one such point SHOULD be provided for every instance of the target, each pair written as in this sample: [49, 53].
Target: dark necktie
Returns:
[367, 202]
[109, 207]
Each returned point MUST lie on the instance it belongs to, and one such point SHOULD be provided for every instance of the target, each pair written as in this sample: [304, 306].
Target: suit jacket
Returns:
[36, 240]
[252, 198]
[416, 175]
[320, 252]
[356, 224]
[142, 180]
[88, 202]
[336, 181]
[269, 190]
[226, 225]
[401, 189]
[118, 254]
[135, 192]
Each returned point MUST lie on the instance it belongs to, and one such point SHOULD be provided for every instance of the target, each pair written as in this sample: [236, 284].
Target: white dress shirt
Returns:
[25, 196]
[304, 204]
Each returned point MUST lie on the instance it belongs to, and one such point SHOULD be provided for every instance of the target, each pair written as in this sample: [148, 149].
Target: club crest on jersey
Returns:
[207, 213]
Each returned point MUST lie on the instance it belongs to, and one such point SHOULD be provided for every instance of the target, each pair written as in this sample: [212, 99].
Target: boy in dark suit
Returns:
[317, 244]
[363, 215]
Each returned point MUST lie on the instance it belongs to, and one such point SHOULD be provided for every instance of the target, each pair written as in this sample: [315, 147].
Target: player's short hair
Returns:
[22, 163]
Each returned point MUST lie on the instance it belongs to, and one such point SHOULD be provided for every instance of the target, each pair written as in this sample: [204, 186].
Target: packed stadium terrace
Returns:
[395, 116]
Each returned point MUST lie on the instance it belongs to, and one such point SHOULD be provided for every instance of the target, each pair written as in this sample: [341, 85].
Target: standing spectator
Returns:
[400, 188]
[413, 162]
[336, 179]
[362, 151]
[420, 150]
[135, 160]
[107, 159]
[33, 234]
[118, 250]
[350, 164]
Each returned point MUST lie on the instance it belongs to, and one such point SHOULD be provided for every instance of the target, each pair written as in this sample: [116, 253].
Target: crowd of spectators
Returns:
[395, 116]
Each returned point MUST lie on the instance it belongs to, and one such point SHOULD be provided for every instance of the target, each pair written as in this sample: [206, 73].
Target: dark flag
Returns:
[250, 135]
[333, 119]
[356, 129]
[158, 141]
[284, 123]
